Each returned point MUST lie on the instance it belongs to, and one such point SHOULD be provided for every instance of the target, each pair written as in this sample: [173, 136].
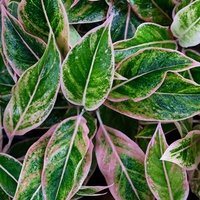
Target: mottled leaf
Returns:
[87, 77]
[34, 95]
[121, 161]
[124, 21]
[21, 49]
[9, 173]
[74, 36]
[13, 8]
[85, 11]
[145, 71]
[177, 99]
[160, 37]
[32, 15]
[184, 126]
[167, 181]
[67, 159]
[186, 25]
[185, 152]
[157, 11]
[29, 185]
[195, 72]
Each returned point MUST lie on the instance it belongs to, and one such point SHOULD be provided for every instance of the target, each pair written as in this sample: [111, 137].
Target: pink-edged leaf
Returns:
[29, 185]
[185, 152]
[121, 161]
[35, 93]
[166, 180]
[67, 160]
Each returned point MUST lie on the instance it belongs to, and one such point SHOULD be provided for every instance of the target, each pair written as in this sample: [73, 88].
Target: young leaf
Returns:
[176, 99]
[85, 11]
[34, 95]
[145, 72]
[157, 11]
[185, 152]
[186, 25]
[29, 184]
[167, 181]
[124, 21]
[9, 173]
[67, 159]
[121, 161]
[21, 49]
[87, 77]
[32, 15]
[160, 37]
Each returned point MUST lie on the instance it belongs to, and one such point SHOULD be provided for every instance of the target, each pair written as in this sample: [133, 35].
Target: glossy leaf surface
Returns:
[166, 180]
[34, 95]
[87, 77]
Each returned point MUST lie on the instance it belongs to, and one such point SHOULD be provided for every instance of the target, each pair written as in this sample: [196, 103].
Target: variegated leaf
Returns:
[87, 77]
[21, 49]
[157, 11]
[186, 25]
[167, 181]
[32, 15]
[67, 159]
[121, 161]
[9, 173]
[145, 71]
[176, 99]
[125, 21]
[185, 152]
[34, 95]
[74, 36]
[13, 8]
[160, 37]
[29, 184]
[85, 11]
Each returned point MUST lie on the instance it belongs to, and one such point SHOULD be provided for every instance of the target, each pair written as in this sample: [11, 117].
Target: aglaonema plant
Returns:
[105, 89]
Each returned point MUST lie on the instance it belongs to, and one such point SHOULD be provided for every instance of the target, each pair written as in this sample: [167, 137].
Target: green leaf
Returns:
[160, 37]
[87, 77]
[157, 11]
[124, 21]
[121, 161]
[29, 185]
[89, 191]
[9, 173]
[3, 195]
[33, 17]
[13, 8]
[195, 72]
[145, 71]
[184, 126]
[21, 49]
[185, 152]
[6, 81]
[73, 35]
[177, 99]
[85, 11]
[166, 180]
[34, 95]
[67, 159]
[186, 25]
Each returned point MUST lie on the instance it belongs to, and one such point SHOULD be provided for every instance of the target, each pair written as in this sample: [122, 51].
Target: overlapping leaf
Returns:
[145, 71]
[9, 173]
[32, 15]
[67, 159]
[124, 21]
[185, 152]
[157, 11]
[87, 76]
[166, 180]
[121, 161]
[85, 11]
[160, 37]
[177, 99]
[21, 49]
[34, 95]
[186, 25]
